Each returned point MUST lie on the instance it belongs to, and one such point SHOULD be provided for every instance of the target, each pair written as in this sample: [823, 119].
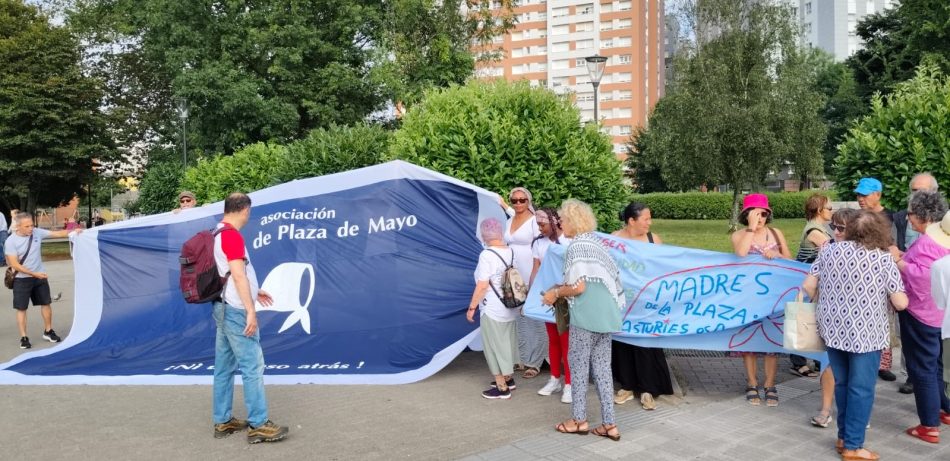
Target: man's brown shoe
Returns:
[230, 427]
[267, 432]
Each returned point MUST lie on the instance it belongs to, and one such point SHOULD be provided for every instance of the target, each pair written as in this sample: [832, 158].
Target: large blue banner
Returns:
[370, 271]
[691, 299]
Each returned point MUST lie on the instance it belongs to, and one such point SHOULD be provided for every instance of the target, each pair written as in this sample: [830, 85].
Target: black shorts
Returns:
[26, 289]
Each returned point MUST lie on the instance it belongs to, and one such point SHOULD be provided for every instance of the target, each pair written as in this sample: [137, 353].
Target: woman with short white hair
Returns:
[595, 295]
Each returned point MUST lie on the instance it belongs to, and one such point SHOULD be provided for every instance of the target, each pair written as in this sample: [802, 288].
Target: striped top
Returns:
[808, 251]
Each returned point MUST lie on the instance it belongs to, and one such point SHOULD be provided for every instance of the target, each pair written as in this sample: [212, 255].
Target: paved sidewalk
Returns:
[443, 417]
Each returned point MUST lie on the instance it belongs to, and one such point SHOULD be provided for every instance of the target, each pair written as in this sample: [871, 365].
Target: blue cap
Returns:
[868, 186]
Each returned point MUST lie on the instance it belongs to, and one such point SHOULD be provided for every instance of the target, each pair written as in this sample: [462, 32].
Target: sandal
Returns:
[752, 395]
[604, 430]
[519, 367]
[804, 371]
[577, 427]
[531, 372]
[927, 434]
[771, 396]
[822, 419]
[861, 454]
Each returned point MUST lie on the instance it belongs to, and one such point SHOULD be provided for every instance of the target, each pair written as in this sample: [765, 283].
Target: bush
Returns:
[713, 205]
[906, 136]
[159, 188]
[251, 168]
[500, 135]
[336, 149]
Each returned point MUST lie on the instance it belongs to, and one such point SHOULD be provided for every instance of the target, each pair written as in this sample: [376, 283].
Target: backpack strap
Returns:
[507, 266]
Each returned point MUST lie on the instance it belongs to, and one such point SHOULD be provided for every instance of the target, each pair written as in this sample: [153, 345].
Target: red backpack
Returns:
[199, 280]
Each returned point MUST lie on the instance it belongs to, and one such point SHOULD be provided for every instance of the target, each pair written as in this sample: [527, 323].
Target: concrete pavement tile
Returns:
[744, 451]
[576, 454]
[546, 445]
[507, 452]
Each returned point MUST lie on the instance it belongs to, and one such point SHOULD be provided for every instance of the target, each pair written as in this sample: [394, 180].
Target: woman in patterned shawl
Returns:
[595, 296]
[856, 278]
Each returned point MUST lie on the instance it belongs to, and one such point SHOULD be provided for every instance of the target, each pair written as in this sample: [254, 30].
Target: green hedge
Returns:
[713, 205]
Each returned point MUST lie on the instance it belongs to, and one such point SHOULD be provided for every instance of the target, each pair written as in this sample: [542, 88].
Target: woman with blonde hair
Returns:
[595, 295]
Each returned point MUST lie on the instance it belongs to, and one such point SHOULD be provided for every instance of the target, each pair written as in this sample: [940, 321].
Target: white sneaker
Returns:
[553, 385]
[566, 394]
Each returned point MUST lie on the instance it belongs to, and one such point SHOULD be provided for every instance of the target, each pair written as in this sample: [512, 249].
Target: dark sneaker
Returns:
[494, 393]
[886, 375]
[51, 336]
[227, 428]
[510, 382]
[906, 388]
[267, 432]
[25, 343]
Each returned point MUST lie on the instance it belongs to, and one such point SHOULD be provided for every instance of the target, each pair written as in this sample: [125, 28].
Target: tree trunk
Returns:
[733, 222]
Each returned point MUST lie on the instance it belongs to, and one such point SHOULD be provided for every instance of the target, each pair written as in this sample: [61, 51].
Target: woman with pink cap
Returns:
[758, 238]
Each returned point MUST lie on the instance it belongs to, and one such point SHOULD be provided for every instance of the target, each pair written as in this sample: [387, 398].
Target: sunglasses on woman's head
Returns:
[519, 200]
[838, 227]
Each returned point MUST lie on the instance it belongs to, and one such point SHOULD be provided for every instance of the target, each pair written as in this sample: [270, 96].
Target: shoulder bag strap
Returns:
[28, 246]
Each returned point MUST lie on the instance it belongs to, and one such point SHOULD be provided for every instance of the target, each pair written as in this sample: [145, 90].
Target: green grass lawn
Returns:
[56, 251]
[714, 234]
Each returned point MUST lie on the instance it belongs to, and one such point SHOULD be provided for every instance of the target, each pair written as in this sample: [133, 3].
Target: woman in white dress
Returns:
[520, 231]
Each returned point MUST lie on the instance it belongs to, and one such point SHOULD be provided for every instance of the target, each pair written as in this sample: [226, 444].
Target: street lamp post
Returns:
[183, 115]
[595, 67]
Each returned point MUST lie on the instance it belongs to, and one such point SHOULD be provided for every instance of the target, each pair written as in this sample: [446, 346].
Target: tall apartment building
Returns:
[551, 39]
[830, 24]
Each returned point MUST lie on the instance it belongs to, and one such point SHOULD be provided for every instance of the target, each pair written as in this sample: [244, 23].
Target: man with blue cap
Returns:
[868, 193]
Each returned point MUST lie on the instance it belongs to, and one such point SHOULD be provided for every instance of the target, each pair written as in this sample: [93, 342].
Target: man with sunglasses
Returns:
[905, 236]
[186, 199]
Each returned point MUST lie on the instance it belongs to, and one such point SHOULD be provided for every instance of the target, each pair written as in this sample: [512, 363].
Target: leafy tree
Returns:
[900, 138]
[159, 187]
[741, 103]
[51, 128]
[898, 40]
[647, 177]
[251, 168]
[843, 105]
[499, 135]
[431, 42]
[266, 70]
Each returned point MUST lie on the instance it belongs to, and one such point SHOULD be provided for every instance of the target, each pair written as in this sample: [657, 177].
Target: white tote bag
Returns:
[801, 326]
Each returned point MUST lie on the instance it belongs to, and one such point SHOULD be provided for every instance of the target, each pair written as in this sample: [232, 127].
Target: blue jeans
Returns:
[232, 350]
[922, 348]
[855, 378]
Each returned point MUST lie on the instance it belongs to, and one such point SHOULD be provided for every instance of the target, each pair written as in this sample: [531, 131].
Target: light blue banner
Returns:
[684, 298]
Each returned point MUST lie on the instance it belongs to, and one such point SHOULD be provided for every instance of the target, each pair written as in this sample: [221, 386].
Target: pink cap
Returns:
[755, 201]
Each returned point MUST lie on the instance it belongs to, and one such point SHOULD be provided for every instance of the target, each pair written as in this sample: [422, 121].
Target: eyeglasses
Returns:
[828, 208]
[185, 200]
[861, 195]
[519, 200]
[837, 227]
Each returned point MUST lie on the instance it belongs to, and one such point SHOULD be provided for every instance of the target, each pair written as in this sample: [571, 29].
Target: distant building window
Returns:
[807, 7]
[584, 27]
[563, 29]
[559, 12]
[587, 8]
[625, 24]
[624, 59]
[623, 6]
[625, 95]
[560, 47]
[623, 77]
[584, 44]
[559, 64]
[580, 62]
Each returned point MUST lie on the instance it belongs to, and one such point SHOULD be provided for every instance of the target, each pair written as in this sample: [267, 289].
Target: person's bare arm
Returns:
[810, 286]
[243, 287]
